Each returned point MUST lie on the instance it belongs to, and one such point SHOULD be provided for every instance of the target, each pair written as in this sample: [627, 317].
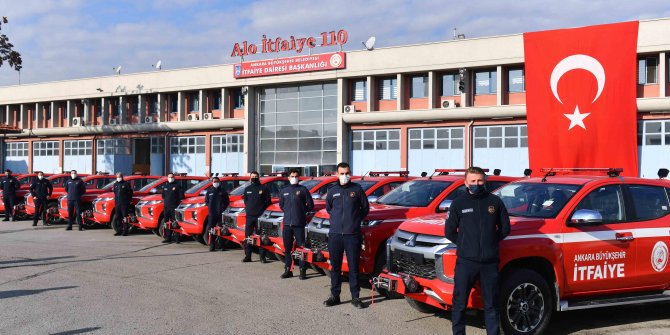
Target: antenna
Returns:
[370, 43]
[117, 69]
[157, 66]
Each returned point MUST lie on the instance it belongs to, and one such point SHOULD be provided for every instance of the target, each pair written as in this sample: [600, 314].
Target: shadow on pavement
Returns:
[28, 260]
[595, 319]
[21, 293]
[77, 331]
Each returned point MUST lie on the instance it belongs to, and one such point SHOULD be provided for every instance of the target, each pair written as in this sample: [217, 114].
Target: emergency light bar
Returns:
[180, 174]
[228, 174]
[328, 174]
[448, 171]
[279, 174]
[386, 173]
[612, 172]
[101, 173]
[138, 173]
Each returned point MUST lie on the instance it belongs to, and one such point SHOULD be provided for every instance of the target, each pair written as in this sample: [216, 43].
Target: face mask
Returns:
[170, 180]
[293, 180]
[255, 180]
[119, 179]
[344, 178]
[216, 185]
[74, 175]
[476, 189]
[40, 177]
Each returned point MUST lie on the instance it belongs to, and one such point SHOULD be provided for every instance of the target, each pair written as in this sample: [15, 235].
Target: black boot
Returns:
[303, 273]
[332, 301]
[69, 227]
[34, 223]
[287, 273]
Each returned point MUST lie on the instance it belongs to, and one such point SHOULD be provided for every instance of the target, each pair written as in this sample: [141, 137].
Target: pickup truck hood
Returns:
[434, 225]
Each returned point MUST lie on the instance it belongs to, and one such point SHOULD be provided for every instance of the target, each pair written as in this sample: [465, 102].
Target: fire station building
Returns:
[386, 109]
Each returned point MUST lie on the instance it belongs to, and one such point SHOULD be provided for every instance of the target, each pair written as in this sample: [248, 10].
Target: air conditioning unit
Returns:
[113, 122]
[349, 108]
[148, 119]
[448, 103]
[193, 117]
[77, 122]
[207, 116]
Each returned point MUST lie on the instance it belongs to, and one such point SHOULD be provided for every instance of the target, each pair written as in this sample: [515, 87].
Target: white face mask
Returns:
[216, 185]
[293, 180]
[170, 180]
[40, 177]
[344, 178]
[74, 175]
[119, 179]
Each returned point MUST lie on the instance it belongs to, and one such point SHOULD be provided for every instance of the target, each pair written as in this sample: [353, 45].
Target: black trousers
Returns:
[252, 228]
[40, 210]
[288, 234]
[168, 215]
[122, 224]
[213, 219]
[467, 273]
[338, 244]
[74, 212]
[9, 206]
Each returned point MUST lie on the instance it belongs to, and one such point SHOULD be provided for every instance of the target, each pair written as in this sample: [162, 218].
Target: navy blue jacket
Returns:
[295, 201]
[216, 199]
[477, 224]
[41, 189]
[123, 193]
[256, 199]
[172, 195]
[347, 205]
[9, 185]
[75, 188]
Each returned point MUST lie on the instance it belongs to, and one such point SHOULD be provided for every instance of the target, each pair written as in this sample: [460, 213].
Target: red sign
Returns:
[271, 67]
[581, 97]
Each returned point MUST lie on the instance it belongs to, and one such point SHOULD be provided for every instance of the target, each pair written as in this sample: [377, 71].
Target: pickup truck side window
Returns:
[457, 192]
[649, 202]
[608, 200]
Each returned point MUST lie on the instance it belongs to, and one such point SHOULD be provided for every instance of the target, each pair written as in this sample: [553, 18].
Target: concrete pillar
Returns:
[54, 114]
[202, 95]
[370, 93]
[69, 112]
[499, 86]
[123, 112]
[161, 107]
[142, 107]
[6, 119]
[181, 114]
[662, 72]
[400, 98]
[250, 131]
[39, 111]
[432, 89]
[342, 128]
[24, 117]
[225, 103]
[465, 96]
[86, 118]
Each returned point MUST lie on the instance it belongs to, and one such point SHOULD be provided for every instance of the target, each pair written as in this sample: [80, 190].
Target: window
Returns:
[238, 98]
[157, 145]
[516, 80]
[512, 136]
[97, 105]
[608, 201]
[187, 145]
[388, 89]
[227, 143]
[116, 146]
[436, 138]
[173, 102]
[649, 202]
[193, 102]
[77, 148]
[647, 69]
[46, 148]
[216, 100]
[654, 133]
[419, 88]
[359, 90]
[116, 107]
[152, 101]
[16, 149]
[486, 82]
[450, 84]
[376, 139]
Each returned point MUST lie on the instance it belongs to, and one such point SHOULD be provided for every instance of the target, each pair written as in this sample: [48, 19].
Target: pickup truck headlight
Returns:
[370, 223]
[198, 205]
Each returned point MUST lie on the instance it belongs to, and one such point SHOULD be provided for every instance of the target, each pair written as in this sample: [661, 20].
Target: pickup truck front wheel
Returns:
[525, 303]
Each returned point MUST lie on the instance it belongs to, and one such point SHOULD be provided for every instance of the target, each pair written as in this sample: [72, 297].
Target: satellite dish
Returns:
[370, 43]
[157, 65]
[117, 69]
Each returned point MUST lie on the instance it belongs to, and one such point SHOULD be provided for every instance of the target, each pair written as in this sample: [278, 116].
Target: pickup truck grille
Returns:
[268, 228]
[414, 265]
[230, 222]
[317, 241]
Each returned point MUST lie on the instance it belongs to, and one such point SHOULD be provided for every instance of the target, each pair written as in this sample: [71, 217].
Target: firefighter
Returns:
[123, 193]
[216, 199]
[40, 190]
[172, 196]
[476, 222]
[75, 188]
[9, 186]
[256, 200]
[295, 201]
[347, 205]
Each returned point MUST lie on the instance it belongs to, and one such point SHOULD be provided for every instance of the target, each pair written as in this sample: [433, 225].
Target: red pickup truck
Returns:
[95, 185]
[57, 181]
[577, 242]
[24, 180]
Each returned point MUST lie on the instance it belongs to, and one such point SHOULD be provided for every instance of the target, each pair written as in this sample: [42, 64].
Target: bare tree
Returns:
[7, 53]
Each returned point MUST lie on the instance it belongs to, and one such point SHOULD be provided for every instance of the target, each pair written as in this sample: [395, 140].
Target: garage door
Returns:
[435, 148]
[16, 157]
[78, 155]
[375, 150]
[45, 156]
[187, 155]
[654, 147]
[228, 153]
[501, 147]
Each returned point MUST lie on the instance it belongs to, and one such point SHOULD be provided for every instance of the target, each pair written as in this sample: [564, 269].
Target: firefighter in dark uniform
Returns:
[216, 199]
[40, 190]
[172, 196]
[295, 201]
[9, 186]
[347, 205]
[256, 200]
[75, 188]
[123, 193]
[476, 222]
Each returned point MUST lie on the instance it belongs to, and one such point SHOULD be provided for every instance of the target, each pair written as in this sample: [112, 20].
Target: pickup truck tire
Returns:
[421, 307]
[526, 303]
[114, 225]
[204, 237]
[158, 230]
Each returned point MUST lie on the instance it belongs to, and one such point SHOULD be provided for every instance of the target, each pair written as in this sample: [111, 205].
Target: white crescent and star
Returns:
[575, 62]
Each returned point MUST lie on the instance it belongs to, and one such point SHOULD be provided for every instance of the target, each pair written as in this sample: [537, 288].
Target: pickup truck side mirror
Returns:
[444, 206]
[373, 198]
[153, 191]
[586, 217]
[203, 192]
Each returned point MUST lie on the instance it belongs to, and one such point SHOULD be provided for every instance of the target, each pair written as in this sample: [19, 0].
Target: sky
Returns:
[70, 39]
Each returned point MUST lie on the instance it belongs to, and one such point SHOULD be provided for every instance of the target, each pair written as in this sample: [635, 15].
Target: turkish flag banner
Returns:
[581, 97]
